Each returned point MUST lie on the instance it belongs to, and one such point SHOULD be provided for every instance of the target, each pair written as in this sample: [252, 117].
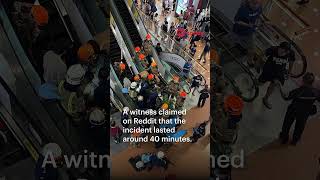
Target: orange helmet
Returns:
[137, 49]
[40, 15]
[233, 105]
[122, 66]
[150, 76]
[148, 37]
[136, 78]
[153, 64]
[85, 52]
[142, 56]
[165, 106]
[176, 79]
[183, 94]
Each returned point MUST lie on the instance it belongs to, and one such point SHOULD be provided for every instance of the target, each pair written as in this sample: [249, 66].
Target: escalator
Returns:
[115, 58]
[128, 21]
[233, 56]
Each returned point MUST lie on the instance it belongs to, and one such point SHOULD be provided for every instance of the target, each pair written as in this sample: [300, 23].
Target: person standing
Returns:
[245, 26]
[204, 94]
[301, 107]
[196, 80]
[205, 52]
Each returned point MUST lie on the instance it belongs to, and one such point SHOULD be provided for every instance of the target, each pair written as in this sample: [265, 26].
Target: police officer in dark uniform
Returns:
[196, 80]
[277, 68]
[301, 107]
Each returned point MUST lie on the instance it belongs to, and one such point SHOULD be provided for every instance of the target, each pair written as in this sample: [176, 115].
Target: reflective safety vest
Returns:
[70, 102]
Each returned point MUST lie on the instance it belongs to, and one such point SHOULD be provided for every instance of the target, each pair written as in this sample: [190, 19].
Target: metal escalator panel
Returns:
[115, 51]
[245, 83]
[128, 21]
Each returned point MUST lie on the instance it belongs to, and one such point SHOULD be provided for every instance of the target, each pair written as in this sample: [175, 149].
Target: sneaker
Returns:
[294, 143]
[266, 103]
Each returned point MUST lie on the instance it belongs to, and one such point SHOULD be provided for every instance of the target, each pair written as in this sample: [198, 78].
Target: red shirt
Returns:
[115, 131]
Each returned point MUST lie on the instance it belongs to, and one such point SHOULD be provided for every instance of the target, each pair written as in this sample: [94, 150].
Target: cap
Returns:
[133, 85]
[234, 105]
[52, 148]
[85, 52]
[160, 154]
[40, 15]
[97, 117]
[75, 74]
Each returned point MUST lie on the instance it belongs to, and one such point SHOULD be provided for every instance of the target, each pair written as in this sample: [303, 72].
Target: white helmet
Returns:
[140, 98]
[139, 164]
[52, 148]
[160, 154]
[126, 109]
[133, 85]
[97, 117]
[75, 74]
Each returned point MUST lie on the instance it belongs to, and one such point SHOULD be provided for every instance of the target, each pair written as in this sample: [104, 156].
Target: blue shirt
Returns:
[247, 15]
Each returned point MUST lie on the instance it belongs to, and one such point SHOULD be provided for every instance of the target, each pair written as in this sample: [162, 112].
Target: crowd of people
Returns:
[181, 34]
[276, 70]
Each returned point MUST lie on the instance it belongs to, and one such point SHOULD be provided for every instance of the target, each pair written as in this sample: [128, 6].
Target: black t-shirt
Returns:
[278, 63]
[304, 97]
[196, 80]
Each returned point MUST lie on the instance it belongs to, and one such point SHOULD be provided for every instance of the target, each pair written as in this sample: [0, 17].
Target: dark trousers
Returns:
[201, 102]
[292, 116]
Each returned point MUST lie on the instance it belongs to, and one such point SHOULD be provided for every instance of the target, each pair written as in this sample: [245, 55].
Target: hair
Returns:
[95, 45]
[308, 78]
[285, 45]
[113, 124]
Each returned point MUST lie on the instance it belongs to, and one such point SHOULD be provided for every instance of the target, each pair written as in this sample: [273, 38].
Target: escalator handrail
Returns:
[127, 40]
[292, 43]
[246, 69]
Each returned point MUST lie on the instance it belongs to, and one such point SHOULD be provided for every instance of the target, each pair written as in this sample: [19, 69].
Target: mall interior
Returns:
[69, 69]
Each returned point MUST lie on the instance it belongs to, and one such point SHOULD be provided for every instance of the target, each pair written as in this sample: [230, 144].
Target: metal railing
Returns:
[279, 12]
[171, 45]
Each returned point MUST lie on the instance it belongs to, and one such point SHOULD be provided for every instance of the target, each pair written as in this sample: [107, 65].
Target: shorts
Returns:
[247, 41]
[271, 77]
[194, 85]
